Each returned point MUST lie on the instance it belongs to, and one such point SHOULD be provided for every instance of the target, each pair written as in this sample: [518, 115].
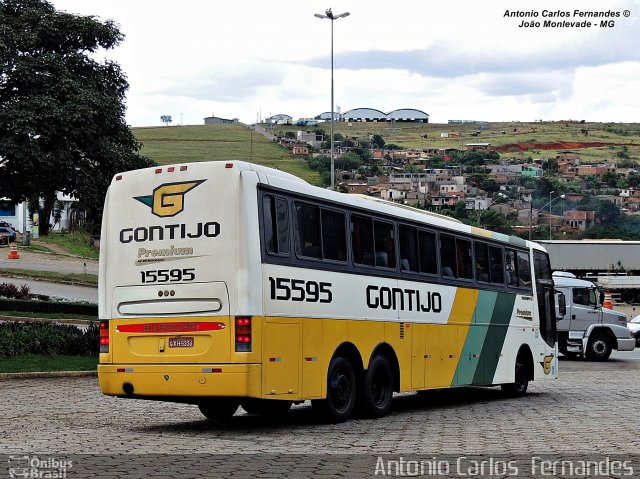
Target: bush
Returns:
[9, 290]
[47, 338]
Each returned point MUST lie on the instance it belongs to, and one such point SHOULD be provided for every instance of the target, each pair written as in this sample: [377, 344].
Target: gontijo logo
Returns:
[168, 199]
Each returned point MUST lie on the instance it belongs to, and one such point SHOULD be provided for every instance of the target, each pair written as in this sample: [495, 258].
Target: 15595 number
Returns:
[286, 289]
[168, 275]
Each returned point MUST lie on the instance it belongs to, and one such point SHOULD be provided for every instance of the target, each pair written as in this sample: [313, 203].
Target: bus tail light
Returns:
[243, 333]
[104, 336]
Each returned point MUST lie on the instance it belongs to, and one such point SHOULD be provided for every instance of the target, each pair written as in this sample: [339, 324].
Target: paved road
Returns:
[591, 409]
[48, 262]
[67, 291]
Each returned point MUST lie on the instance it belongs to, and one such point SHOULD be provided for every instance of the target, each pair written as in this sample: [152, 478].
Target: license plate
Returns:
[181, 342]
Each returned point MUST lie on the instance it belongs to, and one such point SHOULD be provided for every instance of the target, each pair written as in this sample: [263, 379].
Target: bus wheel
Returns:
[518, 388]
[341, 392]
[265, 407]
[377, 391]
[598, 347]
[218, 409]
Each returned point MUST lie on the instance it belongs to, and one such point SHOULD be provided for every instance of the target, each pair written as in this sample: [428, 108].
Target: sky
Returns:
[453, 59]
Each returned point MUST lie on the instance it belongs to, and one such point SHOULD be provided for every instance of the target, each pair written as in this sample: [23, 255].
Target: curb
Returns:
[35, 319]
[49, 375]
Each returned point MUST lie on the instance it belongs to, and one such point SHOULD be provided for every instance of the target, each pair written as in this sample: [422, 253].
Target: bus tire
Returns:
[219, 409]
[377, 390]
[518, 388]
[598, 347]
[265, 407]
[341, 392]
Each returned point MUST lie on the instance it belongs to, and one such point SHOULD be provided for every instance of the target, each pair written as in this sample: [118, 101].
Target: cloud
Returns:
[225, 83]
[540, 87]
[453, 57]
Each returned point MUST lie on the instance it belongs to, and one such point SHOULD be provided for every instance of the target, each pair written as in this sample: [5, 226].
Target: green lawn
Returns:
[39, 362]
[181, 144]
[47, 316]
[75, 243]
[53, 276]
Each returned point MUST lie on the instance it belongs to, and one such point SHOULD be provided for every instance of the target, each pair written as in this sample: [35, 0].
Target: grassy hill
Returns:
[178, 144]
[185, 144]
[422, 136]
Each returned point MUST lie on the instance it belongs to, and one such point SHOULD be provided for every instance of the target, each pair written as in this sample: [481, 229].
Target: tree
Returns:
[377, 141]
[610, 178]
[62, 124]
[349, 161]
[166, 119]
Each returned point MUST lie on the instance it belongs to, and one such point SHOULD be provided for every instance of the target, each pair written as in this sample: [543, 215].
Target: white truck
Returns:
[584, 326]
[628, 287]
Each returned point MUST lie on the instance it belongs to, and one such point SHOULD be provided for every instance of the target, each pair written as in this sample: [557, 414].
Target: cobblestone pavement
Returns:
[591, 408]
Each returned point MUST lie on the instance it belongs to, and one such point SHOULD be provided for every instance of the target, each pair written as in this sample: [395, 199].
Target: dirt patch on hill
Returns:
[557, 145]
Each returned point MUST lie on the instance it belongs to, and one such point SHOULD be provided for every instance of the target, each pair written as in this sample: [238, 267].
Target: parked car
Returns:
[634, 327]
[7, 235]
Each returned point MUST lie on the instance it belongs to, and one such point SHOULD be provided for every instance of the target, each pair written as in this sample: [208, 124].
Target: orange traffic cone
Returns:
[13, 251]
[607, 303]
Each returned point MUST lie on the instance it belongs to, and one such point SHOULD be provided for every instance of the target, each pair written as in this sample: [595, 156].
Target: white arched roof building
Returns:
[408, 114]
[364, 114]
[371, 114]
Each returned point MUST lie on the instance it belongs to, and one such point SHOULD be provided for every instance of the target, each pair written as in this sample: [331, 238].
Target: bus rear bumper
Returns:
[180, 381]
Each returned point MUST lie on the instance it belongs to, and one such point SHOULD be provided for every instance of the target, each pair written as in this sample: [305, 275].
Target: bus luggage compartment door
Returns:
[173, 323]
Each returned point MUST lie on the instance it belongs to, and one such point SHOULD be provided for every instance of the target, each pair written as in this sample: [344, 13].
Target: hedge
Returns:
[48, 307]
[48, 338]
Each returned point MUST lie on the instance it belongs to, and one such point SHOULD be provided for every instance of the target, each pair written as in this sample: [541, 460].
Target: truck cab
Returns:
[584, 326]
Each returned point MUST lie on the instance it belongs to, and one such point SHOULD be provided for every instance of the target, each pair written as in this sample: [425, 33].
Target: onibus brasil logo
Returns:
[168, 199]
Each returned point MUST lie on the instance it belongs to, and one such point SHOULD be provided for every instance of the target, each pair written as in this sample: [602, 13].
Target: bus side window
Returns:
[275, 222]
[384, 244]
[496, 265]
[482, 262]
[408, 249]
[308, 230]
[334, 236]
[524, 269]
[511, 268]
[427, 250]
[362, 240]
[464, 257]
[448, 256]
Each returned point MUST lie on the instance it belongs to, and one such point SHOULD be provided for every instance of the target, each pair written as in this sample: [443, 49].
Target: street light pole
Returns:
[540, 209]
[330, 16]
[550, 193]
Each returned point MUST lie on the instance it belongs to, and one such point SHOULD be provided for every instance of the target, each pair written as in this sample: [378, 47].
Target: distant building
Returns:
[374, 115]
[364, 114]
[532, 171]
[214, 120]
[580, 220]
[280, 119]
[357, 188]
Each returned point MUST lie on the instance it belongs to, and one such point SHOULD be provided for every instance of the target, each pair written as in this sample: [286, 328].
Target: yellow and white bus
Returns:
[231, 284]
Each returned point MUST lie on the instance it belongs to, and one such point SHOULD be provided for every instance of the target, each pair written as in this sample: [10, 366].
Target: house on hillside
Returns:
[215, 120]
[579, 220]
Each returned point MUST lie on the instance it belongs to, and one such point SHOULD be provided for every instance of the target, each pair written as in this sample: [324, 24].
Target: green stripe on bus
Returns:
[494, 341]
[470, 355]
